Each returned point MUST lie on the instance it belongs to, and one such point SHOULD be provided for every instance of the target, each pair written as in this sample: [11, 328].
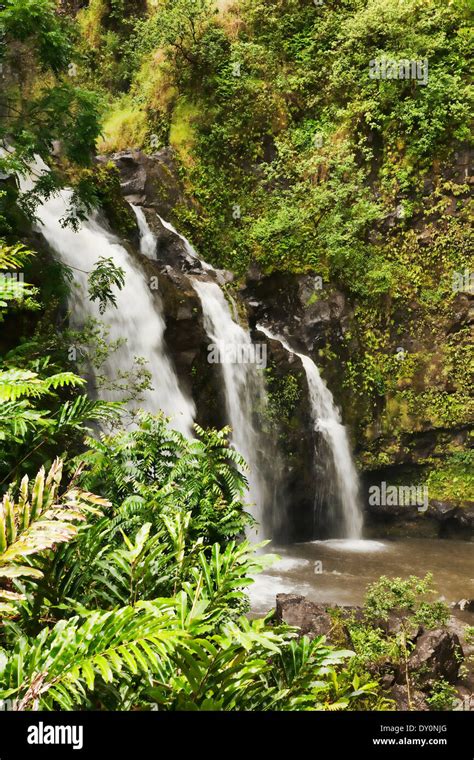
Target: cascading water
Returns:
[147, 238]
[243, 386]
[327, 421]
[244, 390]
[189, 248]
[137, 322]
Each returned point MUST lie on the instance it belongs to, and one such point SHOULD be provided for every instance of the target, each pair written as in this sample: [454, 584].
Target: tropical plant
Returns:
[34, 518]
[36, 40]
[33, 415]
[152, 463]
[156, 603]
[407, 595]
[103, 277]
[13, 290]
[443, 695]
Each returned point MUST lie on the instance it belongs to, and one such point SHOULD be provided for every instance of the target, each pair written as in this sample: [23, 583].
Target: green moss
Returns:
[453, 480]
[109, 194]
[125, 126]
[182, 130]
[284, 393]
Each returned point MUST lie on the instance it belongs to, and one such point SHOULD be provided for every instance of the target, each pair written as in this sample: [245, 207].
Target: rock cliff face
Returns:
[399, 431]
[149, 180]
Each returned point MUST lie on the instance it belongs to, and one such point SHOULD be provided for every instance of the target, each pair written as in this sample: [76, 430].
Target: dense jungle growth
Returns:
[124, 562]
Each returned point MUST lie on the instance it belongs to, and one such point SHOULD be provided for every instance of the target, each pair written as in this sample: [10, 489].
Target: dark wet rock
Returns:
[171, 249]
[465, 516]
[295, 610]
[317, 619]
[464, 605]
[187, 340]
[442, 519]
[294, 520]
[301, 307]
[465, 699]
[387, 680]
[416, 700]
[406, 512]
[437, 654]
[150, 180]
[462, 311]
[442, 510]
[398, 621]
[133, 174]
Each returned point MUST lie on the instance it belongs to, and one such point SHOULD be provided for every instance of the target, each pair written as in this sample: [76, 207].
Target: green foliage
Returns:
[443, 696]
[33, 416]
[13, 290]
[36, 21]
[179, 26]
[454, 479]
[151, 461]
[137, 609]
[283, 395]
[36, 40]
[469, 634]
[36, 519]
[103, 277]
[408, 594]
[15, 384]
[372, 645]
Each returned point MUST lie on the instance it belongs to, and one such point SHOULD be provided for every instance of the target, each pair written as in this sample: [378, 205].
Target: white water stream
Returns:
[327, 420]
[244, 389]
[137, 321]
[243, 386]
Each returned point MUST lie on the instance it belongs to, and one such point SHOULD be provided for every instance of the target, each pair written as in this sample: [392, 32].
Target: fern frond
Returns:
[61, 665]
[17, 383]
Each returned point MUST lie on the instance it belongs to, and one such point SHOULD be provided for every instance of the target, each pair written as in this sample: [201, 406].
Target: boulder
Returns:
[416, 700]
[437, 654]
[465, 605]
[442, 510]
[465, 516]
[171, 248]
[309, 312]
[398, 620]
[312, 619]
[150, 180]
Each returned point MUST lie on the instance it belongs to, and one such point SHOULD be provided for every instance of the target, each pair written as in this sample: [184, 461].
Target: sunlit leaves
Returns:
[105, 276]
[34, 518]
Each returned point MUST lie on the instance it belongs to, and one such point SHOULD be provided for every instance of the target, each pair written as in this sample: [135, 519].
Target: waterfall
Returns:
[147, 238]
[189, 248]
[137, 323]
[244, 389]
[327, 421]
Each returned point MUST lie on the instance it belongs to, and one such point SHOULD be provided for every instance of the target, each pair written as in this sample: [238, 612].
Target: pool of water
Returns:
[338, 571]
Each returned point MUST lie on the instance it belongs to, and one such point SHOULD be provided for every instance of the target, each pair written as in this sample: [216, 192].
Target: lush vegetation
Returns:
[138, 600]
[123, 563]
[296, 160]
